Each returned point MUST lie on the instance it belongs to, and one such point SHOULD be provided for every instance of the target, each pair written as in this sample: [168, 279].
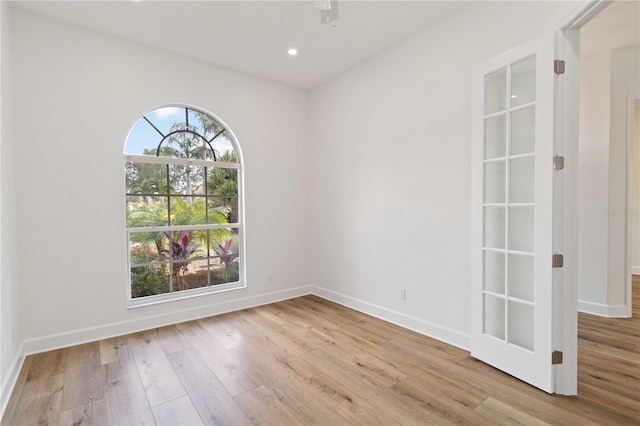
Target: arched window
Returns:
[183, 206]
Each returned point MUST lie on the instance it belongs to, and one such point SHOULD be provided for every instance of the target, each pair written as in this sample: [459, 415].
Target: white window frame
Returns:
[239, 225]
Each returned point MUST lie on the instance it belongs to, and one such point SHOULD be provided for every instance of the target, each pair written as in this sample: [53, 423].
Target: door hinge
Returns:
[558, 162]
[558, 66]
[558, 261]
[556, 357]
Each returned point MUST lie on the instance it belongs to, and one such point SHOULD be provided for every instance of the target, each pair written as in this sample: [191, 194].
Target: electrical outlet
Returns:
[403, 294]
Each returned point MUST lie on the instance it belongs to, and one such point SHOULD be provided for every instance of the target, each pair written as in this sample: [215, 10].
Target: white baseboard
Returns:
[608, 311]
[635, 270]
[12, 377]
[91, 334]
[444, 334]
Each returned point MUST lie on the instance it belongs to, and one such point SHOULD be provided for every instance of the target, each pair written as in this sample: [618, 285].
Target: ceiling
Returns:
[253, 36]
[615, 27]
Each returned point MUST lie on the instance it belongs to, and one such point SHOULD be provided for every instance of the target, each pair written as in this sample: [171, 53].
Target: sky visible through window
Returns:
[143, 136]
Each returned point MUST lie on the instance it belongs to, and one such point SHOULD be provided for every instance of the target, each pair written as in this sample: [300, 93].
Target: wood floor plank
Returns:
[34, 389]
[177, 412]
[263, 408]
[48, 364]
[274, 313]
[170, 339]
[42, 411]
[158, 377]
[609, 400]
[40, 401]
[84, 377]
[14, 400]
[114, 349]
[226, 368]
[210, 398]
[284, 383]
[94, 413]
[609, 351]
[447, 398]
[387, 403]
[125, 398]
[354, 406]
[223, 331]
[505, 415]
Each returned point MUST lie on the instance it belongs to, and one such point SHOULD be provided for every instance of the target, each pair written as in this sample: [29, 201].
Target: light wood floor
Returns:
[310, 361]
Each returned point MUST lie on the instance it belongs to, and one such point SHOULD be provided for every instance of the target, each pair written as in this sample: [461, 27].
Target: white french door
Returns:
[512, 212]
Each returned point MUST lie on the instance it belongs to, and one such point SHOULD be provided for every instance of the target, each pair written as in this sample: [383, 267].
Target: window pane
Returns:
[146, 211]
[147, 247]
[142, 178]
[166, 118]
[495, 91]
[190, 274]
[142, 139]
[222, 188]
[149, 280]
[204, 124]
[188, 211]
[224, 149]
[225, 264]
[184, 142]
[186, 180]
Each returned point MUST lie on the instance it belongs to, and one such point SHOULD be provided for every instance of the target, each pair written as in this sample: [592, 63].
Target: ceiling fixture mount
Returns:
[328, 11]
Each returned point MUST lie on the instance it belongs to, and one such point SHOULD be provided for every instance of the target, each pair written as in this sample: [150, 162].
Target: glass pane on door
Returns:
[523, 124]
[521, 325]
[494, 227]
[495, 135]
[521, 188]
[494, 316]
[494, 272]
[494, 178]
[523, 82]
[496, 91]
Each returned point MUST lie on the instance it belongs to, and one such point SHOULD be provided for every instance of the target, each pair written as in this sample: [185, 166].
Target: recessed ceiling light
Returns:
[292, 51]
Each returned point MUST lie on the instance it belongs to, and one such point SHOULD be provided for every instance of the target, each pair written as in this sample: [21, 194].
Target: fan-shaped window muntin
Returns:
[183, 206]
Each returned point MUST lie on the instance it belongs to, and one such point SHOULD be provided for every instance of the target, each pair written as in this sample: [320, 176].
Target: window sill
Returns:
[183, 295]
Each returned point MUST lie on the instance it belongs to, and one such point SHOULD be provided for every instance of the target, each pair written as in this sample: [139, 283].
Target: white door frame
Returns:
[632, 106]
[567, 137]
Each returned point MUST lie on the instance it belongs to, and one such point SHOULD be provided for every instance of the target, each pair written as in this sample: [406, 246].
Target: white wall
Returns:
[76, 95]
[391, 179]
[607, 81]
[625, 86]
[9, 339]
[593, 220]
